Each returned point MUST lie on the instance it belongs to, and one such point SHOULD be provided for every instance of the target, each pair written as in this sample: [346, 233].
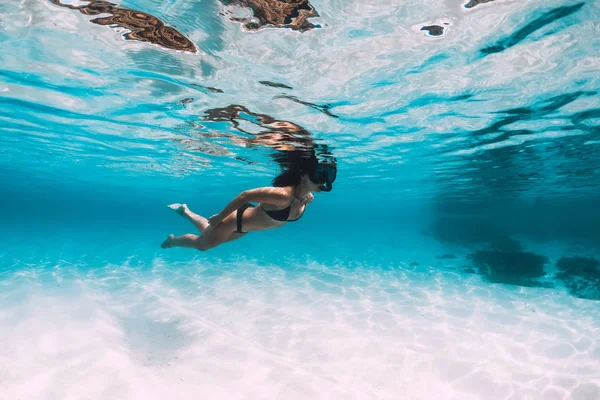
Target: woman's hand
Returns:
[307, 198]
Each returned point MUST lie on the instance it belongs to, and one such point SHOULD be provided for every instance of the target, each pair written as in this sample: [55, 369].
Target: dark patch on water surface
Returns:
[144, 27]
[538, 23]
[581, 276]
[246, 160]
[275, 84]
[291, 14]
[324, 109]
[434, 30]
[186, 100]
[510, 267]
[206, 88]
[474, 3]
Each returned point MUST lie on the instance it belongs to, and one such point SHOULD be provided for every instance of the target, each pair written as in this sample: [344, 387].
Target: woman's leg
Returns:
[234, 236]
[223, 232]
[199, 221]
[188, 240]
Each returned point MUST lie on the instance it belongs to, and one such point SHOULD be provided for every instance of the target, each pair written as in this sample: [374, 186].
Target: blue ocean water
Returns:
[457, 256]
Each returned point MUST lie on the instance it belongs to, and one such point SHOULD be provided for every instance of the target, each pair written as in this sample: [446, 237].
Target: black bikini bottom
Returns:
[240, 214]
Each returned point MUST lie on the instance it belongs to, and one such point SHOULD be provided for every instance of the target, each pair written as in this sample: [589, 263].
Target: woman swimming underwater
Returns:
[283, 202]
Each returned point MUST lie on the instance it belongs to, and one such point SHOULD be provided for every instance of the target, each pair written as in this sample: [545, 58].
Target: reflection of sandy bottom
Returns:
[187, 331]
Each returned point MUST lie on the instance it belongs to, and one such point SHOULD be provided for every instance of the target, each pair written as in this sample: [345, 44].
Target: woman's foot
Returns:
[167, 243]
[198, 220]
[180, 209]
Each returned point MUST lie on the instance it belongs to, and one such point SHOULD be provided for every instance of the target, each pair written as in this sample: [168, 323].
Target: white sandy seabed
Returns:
[241, 330]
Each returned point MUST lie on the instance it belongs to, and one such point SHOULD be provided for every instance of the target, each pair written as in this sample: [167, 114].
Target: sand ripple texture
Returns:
[239, 330]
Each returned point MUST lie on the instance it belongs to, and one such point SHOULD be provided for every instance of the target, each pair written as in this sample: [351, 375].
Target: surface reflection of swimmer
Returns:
[284, 201]
[280, 135]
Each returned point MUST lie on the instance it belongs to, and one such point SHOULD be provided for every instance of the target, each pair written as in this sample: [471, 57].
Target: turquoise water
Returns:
[457, 256]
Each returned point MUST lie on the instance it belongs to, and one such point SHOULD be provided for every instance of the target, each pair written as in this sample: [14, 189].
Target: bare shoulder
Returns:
[278, 196]
[284, 194]
[287, 191]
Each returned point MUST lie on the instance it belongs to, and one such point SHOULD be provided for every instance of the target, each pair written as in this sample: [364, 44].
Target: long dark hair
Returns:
[289, 177]
[294, 165]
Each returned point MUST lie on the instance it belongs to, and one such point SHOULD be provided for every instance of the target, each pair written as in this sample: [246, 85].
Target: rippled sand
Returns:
[233, 330]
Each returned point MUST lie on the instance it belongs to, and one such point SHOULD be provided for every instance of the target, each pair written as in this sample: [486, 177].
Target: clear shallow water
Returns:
[454, 257]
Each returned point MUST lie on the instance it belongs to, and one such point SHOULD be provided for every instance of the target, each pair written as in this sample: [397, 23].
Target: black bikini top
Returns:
[284, 213]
